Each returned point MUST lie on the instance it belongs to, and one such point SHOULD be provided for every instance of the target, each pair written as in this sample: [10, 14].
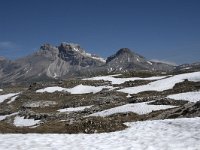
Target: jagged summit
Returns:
[76, 48]
[70, 47]
[124, 50]
[125, 59]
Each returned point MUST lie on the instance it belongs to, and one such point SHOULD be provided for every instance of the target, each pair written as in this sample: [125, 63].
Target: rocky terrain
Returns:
[64, 89]
[98, 104]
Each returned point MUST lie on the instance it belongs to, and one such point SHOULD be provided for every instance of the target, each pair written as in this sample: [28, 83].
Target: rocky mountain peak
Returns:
[123, 55]
[64, 46]
[124, 51]
[46, 46]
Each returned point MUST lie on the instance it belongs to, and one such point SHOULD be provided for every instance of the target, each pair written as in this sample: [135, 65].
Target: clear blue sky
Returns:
[157, 29]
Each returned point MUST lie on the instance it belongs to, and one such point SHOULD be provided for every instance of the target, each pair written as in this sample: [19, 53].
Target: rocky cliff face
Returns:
[50, 62]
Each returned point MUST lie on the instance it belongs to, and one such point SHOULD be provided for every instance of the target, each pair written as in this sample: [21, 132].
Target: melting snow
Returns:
[188, 96]
[12, 99]
[4, 116]
[51, 89]
[21, 122]
[171, 134]
[114, 80]
[7, 96]
[83, 89]
[138, 108]
[74, 109]
[79, 89]
[163, 84]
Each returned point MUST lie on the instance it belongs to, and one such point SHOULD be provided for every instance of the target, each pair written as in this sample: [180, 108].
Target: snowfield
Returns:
[79, 89]
[114, 80]
[74, 109]
[188, 96]
[7, 96]
[138, 108]
[172, 134]
[163, 84]
[21, 122]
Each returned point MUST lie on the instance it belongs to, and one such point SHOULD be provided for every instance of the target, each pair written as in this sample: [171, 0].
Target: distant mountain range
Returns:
[68, 59]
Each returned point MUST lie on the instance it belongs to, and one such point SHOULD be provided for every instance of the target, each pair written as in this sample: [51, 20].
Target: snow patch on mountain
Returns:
[22, 122]
[7, 96]
[12, 99]
[163, 84]
[138, 108]
[114, 80]
[188, 96]
[79, 89]
[74, 109]
[2, 117]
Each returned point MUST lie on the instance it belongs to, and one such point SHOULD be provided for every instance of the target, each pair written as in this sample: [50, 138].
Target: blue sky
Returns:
[166, 30]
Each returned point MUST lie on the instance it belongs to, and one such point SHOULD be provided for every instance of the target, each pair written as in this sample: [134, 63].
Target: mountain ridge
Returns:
[68, 59]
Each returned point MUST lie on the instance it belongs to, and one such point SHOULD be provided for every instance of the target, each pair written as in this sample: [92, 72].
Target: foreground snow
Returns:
[188, 96]
[79, 89]
[7, 96]
[74, 109]
[178, 134]
[22, 122]
[163, 84]
[114, 80]
[138, 108]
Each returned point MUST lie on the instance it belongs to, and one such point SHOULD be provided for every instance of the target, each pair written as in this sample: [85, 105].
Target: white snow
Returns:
[4, 116]
[163, 84]
[74, 109]
[188, 96]
[21, 122]
[76, 49]
[12, 99]
[93, 57]
[128, 96]
[114, 80]
[1, 90]
[79, 89]
[51, 89]
[7, 96]
[83, 89]
[149, 62]
[171, 134]
[138, 108]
